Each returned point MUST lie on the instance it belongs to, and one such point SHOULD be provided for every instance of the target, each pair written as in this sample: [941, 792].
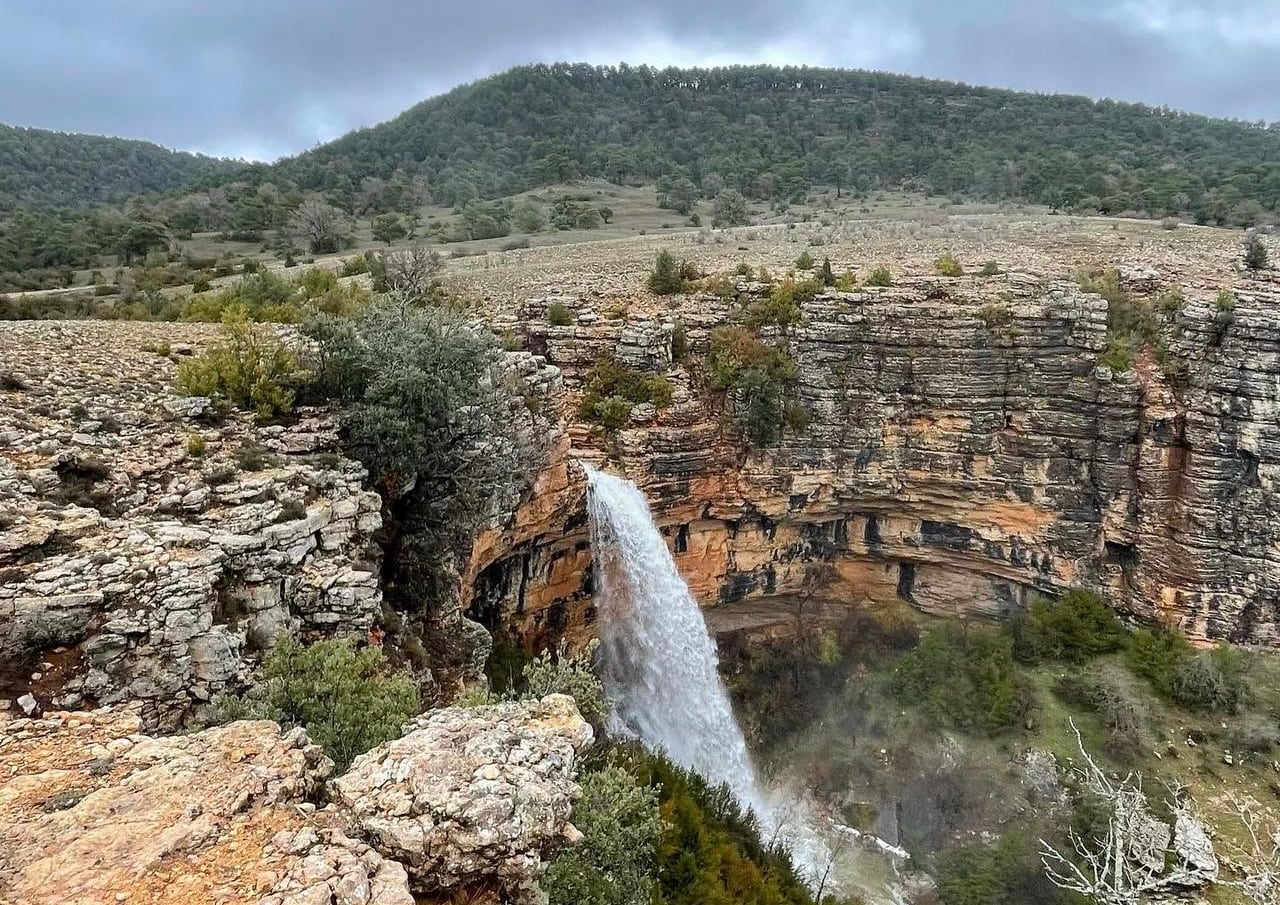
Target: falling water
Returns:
[659, 660]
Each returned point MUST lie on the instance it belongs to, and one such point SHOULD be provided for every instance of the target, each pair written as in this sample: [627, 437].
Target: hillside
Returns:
[771, 133]
[44, 169]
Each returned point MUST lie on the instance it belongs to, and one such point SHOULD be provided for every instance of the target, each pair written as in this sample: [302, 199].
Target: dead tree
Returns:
[1131, 859]
[1254, 864]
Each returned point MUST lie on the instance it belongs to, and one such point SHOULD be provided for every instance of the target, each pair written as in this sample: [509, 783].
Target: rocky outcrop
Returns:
[150, 546]
[964, 449]
[469, 796]
[92, 811]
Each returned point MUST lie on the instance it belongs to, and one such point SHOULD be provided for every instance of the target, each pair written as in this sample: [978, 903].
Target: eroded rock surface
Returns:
[93, 811]
[469, 795]
[149, 549]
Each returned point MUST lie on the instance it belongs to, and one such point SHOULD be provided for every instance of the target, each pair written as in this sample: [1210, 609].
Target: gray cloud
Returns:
[266, 78]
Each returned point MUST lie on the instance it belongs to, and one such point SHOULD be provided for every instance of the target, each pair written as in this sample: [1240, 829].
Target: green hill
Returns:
[44, 169]
[771, 133]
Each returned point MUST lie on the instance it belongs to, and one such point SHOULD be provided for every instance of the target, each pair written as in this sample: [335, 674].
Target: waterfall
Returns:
[659, 661]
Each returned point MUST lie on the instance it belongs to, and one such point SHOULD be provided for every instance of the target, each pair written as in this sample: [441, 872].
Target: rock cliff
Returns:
[93, 811]
[150, 546]
[964, 448]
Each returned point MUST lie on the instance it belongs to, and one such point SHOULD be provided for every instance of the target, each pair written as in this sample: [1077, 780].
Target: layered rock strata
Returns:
[964, 448]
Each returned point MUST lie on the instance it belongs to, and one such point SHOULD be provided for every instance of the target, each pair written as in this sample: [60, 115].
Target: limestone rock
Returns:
[93, 811]
[468, 794]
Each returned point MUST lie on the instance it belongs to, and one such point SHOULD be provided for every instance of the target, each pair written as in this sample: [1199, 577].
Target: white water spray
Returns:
[659, 661]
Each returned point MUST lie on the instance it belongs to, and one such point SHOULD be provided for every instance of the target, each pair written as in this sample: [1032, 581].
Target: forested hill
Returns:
[770, 133]
[39, 168]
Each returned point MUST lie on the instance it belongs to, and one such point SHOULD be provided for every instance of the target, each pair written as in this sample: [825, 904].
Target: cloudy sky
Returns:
[264, 78]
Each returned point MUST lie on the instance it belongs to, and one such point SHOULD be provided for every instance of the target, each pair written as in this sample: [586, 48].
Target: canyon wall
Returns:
[964, 449]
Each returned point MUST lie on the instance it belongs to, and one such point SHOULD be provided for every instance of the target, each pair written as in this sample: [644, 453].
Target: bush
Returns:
[740, 363]
[1009, 871]
[805, 261]
[1076, 627]
[559, 315]
[201, 284]
[196, 445]
[679, 342]
[880, 276]
[1109, 693]
[665, 278]
[1225, 303]
[948, 266]
[782, 307]
[355, 265]
[989, 269]
[563, 673]
[616, 861]
[612, 389]
[426, 408]
[1212, 681]
[1157, 657]
[347, 698]
[247, 368]
[1255, 253]
[826, 274]
[964, 677]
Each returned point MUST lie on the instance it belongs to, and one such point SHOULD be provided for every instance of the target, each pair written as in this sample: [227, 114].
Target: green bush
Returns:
[616, 861]
[1255, 253]
[1109, 692]
[1225, 302]
[948, 265]
[612, 389]
[346, 697]
[679, 342]
[740, 363]
[1212, 681]
[563, 673]
[665, 279]
[559, 315]
[880, 276]
[1074, 628]
[1157, 656]
[1008, 871]
[805, 261]
[826, 274]
[196, 445]
[989, 269]
[426, 408]
[782, 307]
[964, 677]
[245, 367]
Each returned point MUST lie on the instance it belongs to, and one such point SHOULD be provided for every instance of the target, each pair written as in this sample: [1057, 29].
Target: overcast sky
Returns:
[262, 78]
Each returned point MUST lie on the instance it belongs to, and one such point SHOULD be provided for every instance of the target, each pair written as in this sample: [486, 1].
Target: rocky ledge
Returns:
[149, 545]
[92, 811]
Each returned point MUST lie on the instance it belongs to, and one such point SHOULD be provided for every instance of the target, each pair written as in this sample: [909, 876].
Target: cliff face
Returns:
[964, 449]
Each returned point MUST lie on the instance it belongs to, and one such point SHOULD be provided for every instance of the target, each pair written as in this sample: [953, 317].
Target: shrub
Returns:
[346, 697]
[616, 861]
[612, 389]
[989, 269]
[826, 274]
[1118, 355]
[1008, 871]
[563, 673]
[995, 315]
[1211, 680]
[354, 265]
[964, 677]
[1225, 302]
[559, 315]
[196, 445]
[1109, 693]
[782, 307]
[665, 278]
[1076, 627]
[1157, 657]
[805, 261]
[201, 284]
[880, 276]
[948, 265]
[247, 368]
[1255, 253]
[426, 408]
[679, 342]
